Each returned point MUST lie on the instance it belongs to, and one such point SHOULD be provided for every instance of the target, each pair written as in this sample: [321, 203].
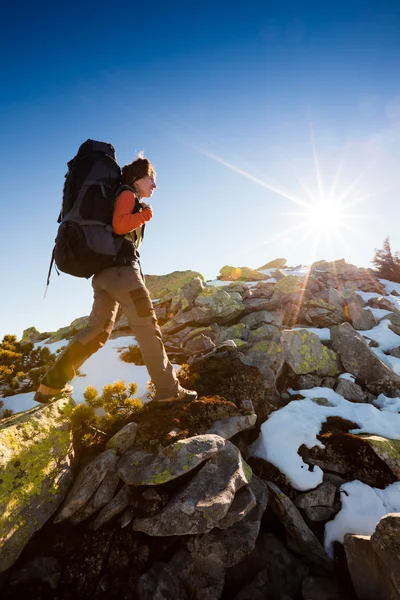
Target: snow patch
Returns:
[299, 422]
[362, 508]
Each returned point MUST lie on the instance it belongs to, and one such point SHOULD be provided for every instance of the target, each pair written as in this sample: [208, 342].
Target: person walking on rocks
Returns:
[121, 285]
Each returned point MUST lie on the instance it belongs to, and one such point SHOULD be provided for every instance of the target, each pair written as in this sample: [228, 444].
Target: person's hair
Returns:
[136, 170]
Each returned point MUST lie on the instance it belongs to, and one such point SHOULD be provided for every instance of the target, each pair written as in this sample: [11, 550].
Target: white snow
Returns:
[385, 337]
[52, 347]
[324, 333]
[300, 422]
[368, 295]
[101, 368]
[390, 404]
[348, 376]
[390, 286]
[378, 313]
[362, 508]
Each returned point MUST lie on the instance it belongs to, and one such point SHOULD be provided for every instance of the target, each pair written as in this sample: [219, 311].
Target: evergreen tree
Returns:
[386, 262]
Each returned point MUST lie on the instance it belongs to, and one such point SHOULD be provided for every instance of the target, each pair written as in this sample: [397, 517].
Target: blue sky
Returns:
[246, 109]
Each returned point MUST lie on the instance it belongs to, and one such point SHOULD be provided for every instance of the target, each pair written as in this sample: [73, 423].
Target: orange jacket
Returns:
[123, 220]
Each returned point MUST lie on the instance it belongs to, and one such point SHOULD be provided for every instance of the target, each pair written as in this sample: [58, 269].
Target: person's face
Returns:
[145, 186]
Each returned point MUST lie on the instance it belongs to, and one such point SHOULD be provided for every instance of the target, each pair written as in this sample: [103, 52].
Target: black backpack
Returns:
[85, 242]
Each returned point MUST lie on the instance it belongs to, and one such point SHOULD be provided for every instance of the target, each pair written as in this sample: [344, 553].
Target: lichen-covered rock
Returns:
[123, 439]
[30, 334]
[35, 473]
[228, 273]
[205, 500]
[87, 482]
[161, 286]
[138, 467]
[277, 263]
[185, 296]
[305, 353]
[387, 450]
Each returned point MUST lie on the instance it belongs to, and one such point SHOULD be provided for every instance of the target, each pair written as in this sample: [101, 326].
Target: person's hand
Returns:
[144, 205]
[147, 211]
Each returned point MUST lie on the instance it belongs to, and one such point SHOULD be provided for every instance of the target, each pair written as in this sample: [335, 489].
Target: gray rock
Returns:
[185, 296]
[100, 498]
[359, 360]
[231, 546]
[306, 382]
[36, 472]
[116, 506]
[361, 319]
[268, 357]
[252, 305]
[86, 483]
[42, 568]
[395, 352]
[126, 518]
[124, 439]
[300, 538]
[386, 543]
[382, 302]
[227, 428]
[394, 322]
[204, 577]
[332, 296]
[368, 572]
[201, 343]
[242, 504]
[161, 583]
[322, 588]
[204, 501]
[261, 317]
[350, 391]
[270, 571]
[318, 503]
[304, 353]
[138, 467]
[387, 450]
[264, 332]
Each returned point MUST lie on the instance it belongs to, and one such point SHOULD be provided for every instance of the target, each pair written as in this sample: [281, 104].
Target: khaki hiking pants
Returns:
[112, 287]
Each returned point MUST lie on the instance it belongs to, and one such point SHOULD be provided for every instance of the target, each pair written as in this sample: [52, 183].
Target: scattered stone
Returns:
[318, 503]
[124, 439]
[382, 303]
[369, 574]
[100, 498]
[86, 483]
[138, 467]
[362, 319]
[386, 543]
[42, 568]
[230, 546]
[322, 588]
[300, 538]
[261, 317]
[359, 360]
[204, 501]
[350, 390]
[242, 504]
[270, 571]
[227, 428]
[306, 382]
[116, 506]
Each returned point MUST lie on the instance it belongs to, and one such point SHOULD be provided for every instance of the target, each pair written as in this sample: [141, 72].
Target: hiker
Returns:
[121, 285]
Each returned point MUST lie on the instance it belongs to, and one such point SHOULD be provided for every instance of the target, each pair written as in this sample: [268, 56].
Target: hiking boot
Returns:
[182, 396]
[47, 395]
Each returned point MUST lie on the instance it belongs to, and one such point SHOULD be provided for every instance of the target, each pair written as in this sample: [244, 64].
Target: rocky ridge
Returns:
[177, 505]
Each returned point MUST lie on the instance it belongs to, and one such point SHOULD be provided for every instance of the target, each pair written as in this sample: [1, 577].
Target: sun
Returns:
[325, 216]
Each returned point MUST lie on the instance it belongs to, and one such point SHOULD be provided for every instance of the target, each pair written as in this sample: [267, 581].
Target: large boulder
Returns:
[204, 501]
[305, 353]
[277, 263]
[228, 273]
[185, 296]
[359, 360]
[35, 463]
[362, 319]
[162, 285]
[138, 467]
